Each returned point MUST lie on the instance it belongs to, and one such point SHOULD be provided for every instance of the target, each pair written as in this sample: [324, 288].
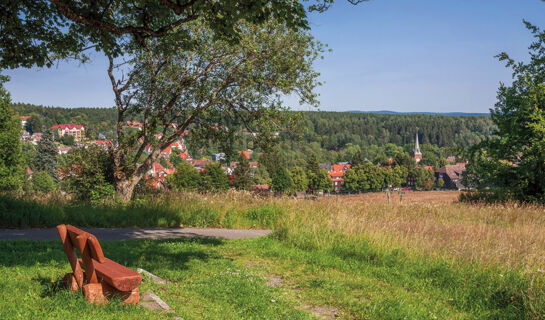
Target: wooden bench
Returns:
[98, 276]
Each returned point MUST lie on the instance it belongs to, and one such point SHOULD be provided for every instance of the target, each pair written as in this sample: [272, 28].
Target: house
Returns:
[24, 120]
[452, 175]
[261, 188]
[105, 144]
[157, 170]
[25, 136]
[75, 130]
[165, 153]
[135, 125]
[199, 164]
[63, 149]
[184, 156]
[218, 156]
[336, 174]
[35, 138]
[246, 154]
[175, 145]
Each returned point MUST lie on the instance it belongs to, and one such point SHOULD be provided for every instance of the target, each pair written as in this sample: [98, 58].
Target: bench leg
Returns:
[70, 282]
[94, 294]
[101, 293]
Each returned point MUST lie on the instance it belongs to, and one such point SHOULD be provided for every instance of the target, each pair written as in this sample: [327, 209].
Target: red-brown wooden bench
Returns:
[98, 276]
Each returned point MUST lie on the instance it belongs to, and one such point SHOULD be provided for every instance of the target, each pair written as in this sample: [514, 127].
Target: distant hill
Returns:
[448, 114]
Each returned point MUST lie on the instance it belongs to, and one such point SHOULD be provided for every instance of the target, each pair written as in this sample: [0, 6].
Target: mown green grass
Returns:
[220, 279]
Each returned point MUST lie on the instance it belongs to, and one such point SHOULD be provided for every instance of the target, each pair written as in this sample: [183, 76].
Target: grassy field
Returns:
[348, 257]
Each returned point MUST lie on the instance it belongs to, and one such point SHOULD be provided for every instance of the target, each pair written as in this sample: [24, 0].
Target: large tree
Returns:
[512, 163]
[11, 172]
[211, 89]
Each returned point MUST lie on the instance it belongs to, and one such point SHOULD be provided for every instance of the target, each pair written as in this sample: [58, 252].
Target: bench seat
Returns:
[116, 275]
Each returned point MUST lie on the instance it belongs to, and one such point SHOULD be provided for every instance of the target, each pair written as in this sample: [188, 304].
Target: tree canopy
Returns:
[37, 32]
[210, 90]
[512, 162]
[11, 171]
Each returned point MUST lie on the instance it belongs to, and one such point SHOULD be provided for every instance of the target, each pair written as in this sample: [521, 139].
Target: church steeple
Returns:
[417, 155]
[417, 146]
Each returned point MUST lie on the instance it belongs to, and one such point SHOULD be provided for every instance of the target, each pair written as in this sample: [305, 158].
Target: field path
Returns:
[135, 233]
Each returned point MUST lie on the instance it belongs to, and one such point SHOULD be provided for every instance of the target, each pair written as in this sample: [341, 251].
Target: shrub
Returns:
[185, 178]
[43, 182]
[88, 174]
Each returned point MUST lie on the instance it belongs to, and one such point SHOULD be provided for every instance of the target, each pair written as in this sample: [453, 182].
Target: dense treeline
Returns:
[334, 130]
[330, 136]
[337, 136]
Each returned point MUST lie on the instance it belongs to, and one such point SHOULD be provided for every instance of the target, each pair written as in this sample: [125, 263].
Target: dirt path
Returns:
[134, 233]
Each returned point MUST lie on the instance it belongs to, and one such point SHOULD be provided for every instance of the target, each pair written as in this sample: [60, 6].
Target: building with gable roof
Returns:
[75, 130]
[452, 175]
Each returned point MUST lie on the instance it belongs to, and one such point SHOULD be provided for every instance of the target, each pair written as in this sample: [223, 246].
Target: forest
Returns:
[331, 136]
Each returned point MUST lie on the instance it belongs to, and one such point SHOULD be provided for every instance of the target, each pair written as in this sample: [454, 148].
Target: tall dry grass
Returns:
[510, 235]
[435, 223]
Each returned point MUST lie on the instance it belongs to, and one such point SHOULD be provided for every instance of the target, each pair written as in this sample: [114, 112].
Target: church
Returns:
[417, 155]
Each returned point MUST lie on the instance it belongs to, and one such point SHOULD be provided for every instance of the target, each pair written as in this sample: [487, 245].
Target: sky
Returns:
[397, 55]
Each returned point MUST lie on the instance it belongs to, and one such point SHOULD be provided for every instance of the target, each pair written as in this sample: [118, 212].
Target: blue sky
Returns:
[399, 55]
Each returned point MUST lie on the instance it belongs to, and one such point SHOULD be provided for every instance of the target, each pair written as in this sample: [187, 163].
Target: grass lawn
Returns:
[354, 257]
[264, 278]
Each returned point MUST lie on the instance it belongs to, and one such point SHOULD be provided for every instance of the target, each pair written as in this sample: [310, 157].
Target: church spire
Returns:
[417, 146]
[417, 155]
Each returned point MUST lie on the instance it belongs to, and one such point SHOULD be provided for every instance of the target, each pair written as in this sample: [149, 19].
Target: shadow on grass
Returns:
[50, 288]
[171, 254]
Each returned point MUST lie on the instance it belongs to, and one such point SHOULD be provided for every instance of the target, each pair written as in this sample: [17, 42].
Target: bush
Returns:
[185, 178]
[88, 174]
[43, 182]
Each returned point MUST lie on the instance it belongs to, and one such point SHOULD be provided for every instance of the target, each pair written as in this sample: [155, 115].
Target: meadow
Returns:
[347, 257]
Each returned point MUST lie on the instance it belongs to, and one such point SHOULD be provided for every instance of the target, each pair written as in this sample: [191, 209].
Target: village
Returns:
[450, 174]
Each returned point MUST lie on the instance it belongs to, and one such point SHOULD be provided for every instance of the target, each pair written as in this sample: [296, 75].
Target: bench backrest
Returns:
[87, 244]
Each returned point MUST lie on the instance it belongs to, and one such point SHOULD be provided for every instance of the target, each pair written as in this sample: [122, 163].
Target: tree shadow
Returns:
[171, 254]
[50, 288]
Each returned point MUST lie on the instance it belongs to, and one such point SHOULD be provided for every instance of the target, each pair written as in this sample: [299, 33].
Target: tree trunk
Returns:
[125, 188]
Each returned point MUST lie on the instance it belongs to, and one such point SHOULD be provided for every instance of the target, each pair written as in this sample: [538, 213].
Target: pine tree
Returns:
[242, 175]
[318, 178]
[11, 170]
[46, 155]
[214, 178]
[300, 180]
